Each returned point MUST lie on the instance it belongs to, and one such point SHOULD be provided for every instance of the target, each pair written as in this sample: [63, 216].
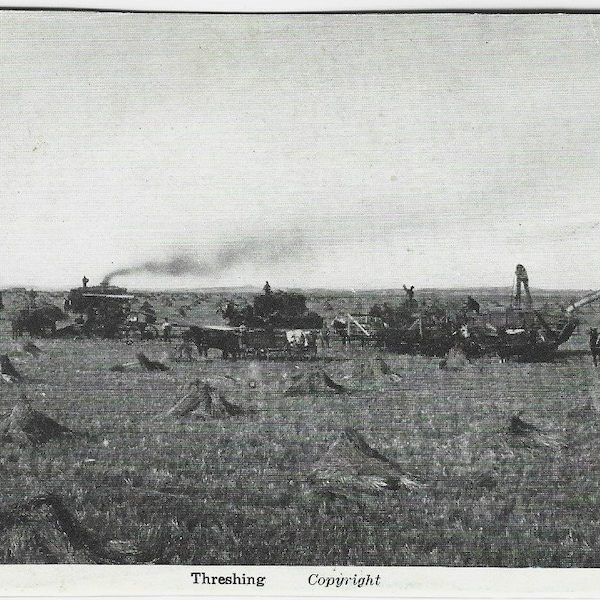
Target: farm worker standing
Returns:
[244, 336]
[267, 289]
[85, 281]
[166, 328]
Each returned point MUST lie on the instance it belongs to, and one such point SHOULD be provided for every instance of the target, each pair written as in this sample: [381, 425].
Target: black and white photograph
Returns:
[302, 289]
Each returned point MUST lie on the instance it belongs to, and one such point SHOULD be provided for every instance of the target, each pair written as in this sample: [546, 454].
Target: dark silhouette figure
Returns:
[85, 281]
[167, 329]
[504, 349]
[267, 289]
[595, 345]
[522, 280]
[149, 312]
[31, 296]
[341, 328]
[472, 304]
[185, 350]
[325, 337]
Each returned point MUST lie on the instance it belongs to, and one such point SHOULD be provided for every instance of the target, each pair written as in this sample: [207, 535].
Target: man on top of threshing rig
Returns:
[410, 297]
[522, 280]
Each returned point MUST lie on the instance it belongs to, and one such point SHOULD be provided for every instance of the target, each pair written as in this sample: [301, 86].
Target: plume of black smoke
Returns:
[257, 249]
[177, 265]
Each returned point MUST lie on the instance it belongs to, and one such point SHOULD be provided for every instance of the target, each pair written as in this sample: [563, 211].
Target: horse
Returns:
[226, 340]
[341, 328]
[39, 322]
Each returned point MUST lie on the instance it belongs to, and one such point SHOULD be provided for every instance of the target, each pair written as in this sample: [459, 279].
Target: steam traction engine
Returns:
[102, 310]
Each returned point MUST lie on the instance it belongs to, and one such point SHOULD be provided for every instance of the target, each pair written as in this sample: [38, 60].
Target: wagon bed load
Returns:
[279, 310]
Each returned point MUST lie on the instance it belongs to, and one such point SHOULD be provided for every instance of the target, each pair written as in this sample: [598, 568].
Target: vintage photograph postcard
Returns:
[299, 304]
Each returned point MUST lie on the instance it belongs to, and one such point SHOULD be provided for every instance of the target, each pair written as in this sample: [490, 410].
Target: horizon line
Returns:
[255, 288]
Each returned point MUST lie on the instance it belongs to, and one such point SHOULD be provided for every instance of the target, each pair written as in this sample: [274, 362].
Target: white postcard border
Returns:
[317, 581]
[20, 581]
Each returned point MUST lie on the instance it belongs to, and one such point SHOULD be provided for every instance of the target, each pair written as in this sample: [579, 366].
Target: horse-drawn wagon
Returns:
[290, 344]
[239, 342]
[140, 325]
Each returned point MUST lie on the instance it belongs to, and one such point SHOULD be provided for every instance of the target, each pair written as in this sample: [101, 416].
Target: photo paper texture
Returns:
[299, 303]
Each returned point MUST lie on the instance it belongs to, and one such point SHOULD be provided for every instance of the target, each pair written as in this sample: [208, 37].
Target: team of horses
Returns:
[37, 322]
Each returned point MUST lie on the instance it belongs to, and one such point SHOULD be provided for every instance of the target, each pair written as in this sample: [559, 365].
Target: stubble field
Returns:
[234, 490]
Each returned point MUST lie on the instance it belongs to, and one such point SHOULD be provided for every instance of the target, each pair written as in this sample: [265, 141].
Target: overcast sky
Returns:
[352, 151]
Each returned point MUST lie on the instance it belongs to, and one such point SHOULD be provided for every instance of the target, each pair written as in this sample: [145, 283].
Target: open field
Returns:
[234, 491]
